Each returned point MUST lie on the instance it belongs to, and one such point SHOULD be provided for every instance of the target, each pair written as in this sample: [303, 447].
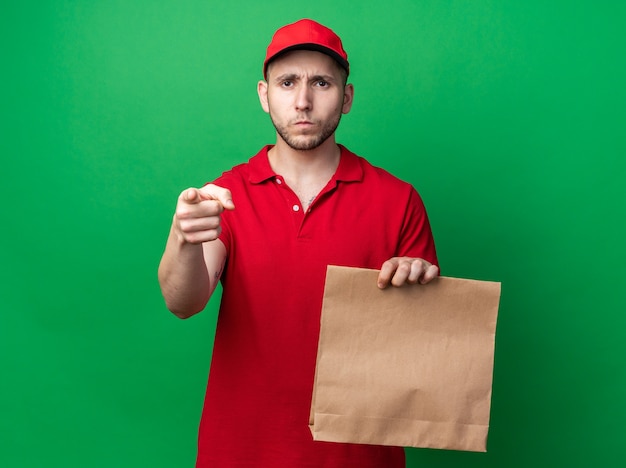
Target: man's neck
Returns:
[305, 172]
[296, 165]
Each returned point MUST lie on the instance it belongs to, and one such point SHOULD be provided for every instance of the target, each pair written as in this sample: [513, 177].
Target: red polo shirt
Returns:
[258, 397]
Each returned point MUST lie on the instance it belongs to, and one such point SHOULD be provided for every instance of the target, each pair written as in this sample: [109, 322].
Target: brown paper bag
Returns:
[409, 366]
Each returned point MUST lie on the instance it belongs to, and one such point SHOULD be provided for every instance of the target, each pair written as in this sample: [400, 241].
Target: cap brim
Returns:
[314, 47]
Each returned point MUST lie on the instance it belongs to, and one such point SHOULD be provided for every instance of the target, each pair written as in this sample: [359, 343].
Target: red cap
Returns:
[308, 35]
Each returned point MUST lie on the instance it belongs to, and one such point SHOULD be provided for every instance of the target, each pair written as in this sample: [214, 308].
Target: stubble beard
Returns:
[313, 141]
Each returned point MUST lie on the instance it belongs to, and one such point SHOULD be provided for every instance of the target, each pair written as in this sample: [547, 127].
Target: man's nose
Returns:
[303, 98]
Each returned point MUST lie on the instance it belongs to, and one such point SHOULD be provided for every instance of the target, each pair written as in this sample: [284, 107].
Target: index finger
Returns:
[221, 194]
[386, 272]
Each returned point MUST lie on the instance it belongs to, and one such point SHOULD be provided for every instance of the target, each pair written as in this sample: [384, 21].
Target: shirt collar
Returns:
[349, 169]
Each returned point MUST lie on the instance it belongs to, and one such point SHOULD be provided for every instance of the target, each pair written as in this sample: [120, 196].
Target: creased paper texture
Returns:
[409, 366]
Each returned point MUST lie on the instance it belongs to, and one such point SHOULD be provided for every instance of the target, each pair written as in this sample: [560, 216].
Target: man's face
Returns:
[305, 96]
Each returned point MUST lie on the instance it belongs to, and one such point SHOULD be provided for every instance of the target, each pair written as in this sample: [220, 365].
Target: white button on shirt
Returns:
[296, 207]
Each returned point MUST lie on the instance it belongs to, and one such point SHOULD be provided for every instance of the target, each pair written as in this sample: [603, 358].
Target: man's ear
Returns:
[261, 89]
[348, 97]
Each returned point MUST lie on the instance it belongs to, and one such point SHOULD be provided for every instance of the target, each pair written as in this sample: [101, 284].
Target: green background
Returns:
[508, 116]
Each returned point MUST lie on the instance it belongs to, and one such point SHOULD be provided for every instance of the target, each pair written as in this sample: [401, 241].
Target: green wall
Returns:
[508, 116]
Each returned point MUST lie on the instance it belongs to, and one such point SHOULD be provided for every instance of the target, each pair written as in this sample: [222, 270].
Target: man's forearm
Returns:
[185, 282]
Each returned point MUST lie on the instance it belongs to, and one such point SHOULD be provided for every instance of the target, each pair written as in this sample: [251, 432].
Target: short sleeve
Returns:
[416, 238]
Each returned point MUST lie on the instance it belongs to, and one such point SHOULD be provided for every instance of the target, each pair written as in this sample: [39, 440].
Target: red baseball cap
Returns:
[308, 35]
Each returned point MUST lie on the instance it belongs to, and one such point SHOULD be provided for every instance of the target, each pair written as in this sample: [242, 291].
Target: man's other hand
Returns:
[406, 270]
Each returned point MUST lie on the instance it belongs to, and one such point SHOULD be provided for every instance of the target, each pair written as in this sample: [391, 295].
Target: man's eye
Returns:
[287, 83]
[322, 83]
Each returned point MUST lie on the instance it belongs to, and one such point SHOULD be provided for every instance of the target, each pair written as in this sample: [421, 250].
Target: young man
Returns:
[301, 204]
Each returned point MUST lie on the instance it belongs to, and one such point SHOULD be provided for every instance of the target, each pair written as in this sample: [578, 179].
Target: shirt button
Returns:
[296, 207]
[278, 181]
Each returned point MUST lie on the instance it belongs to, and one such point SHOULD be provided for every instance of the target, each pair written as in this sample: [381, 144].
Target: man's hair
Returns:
[344, 74]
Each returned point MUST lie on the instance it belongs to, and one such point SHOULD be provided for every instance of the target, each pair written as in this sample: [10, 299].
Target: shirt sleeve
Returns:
[416, 238]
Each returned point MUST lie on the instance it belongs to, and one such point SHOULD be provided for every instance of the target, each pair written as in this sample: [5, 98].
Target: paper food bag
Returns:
[409, 366]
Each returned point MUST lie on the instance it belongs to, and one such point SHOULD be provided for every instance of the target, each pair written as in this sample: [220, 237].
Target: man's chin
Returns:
[304, 140]
[304, 143]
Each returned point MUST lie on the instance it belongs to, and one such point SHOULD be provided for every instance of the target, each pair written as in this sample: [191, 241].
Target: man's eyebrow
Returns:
[323, 78]
[287, 77]
[294, 77]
